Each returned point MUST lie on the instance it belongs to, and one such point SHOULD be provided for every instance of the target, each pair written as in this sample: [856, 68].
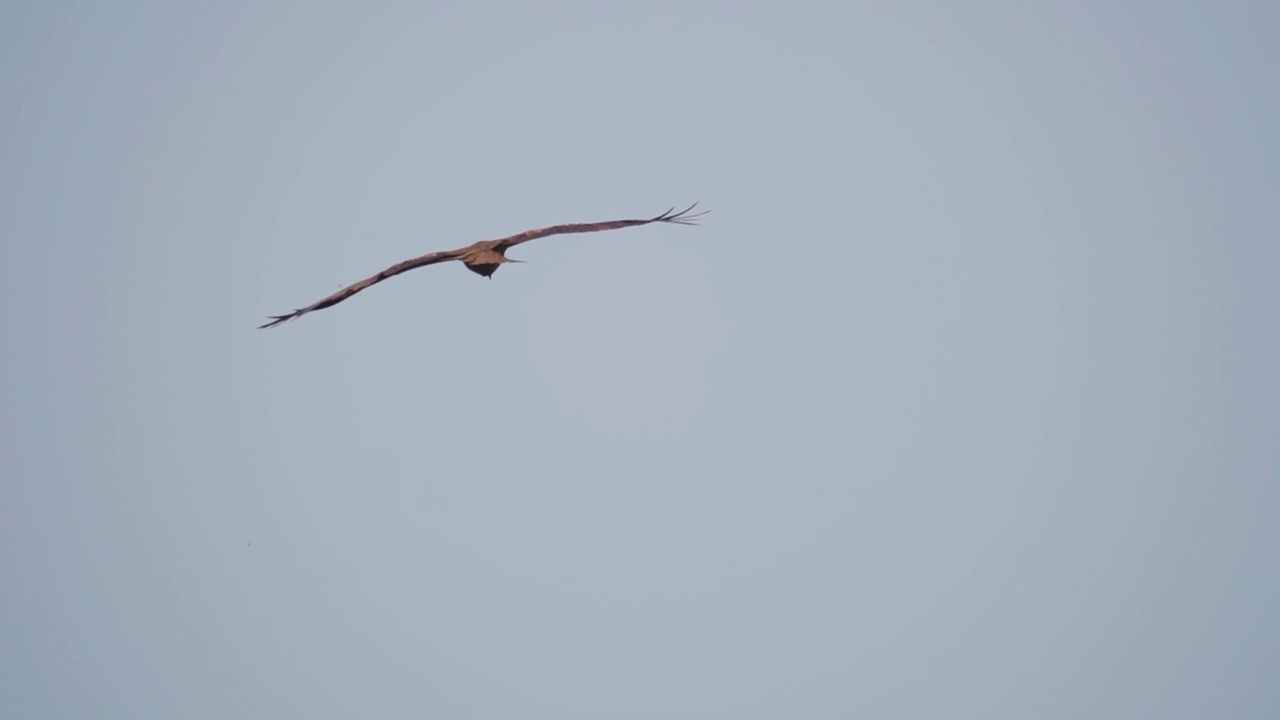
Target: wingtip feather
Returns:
[278, 319]
[683, 217]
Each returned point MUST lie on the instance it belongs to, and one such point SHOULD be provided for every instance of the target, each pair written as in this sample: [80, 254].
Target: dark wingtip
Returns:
[681, 218]
[277, 319]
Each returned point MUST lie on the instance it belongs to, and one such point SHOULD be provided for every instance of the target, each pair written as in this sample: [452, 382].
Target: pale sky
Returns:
[962, 402]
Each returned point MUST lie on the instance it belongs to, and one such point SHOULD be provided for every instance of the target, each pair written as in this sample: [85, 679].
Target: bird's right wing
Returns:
[671, 216]
[348, 291]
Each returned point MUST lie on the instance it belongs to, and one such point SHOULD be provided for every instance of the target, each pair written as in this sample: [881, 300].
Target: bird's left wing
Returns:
[348, 291]
[679, 218]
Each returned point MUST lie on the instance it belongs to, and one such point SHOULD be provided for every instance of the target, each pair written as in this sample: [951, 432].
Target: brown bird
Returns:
[484, 257]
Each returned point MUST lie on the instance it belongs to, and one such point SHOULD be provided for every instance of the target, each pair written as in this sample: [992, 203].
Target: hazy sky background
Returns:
[962, 403]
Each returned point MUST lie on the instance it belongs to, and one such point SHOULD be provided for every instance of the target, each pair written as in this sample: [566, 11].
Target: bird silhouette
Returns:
[484, 257]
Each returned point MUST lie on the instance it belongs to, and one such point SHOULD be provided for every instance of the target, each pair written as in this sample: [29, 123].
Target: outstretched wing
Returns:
[679, 218]
[348, 291]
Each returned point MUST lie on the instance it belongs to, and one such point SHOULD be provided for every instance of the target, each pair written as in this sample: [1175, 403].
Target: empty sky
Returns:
[961, 403]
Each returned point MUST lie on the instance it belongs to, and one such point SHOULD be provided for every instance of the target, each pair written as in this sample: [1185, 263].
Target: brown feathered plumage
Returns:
[484, 257]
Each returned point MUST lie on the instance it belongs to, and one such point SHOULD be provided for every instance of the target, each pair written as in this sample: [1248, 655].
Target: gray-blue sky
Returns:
[961, 403]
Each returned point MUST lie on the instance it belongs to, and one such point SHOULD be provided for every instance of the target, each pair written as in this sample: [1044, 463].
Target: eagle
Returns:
[484, 257]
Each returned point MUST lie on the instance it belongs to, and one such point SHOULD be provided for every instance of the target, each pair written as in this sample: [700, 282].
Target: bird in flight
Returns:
[484, 257]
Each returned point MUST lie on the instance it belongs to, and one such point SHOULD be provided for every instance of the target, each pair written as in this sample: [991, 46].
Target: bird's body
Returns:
[484, 257]
[483, 260]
